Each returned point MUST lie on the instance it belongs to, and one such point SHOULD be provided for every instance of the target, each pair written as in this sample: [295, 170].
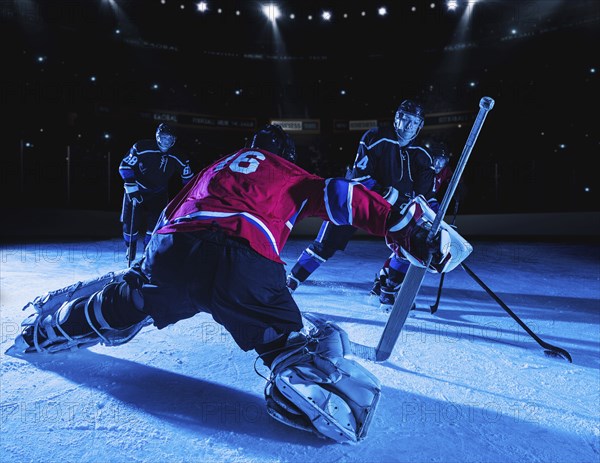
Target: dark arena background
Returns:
[83, 80]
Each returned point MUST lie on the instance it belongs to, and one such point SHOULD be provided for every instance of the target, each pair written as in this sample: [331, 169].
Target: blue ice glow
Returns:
[466, 384]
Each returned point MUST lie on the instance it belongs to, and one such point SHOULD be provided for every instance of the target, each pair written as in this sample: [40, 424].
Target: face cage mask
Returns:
[400, 133]
[439, 162]
[165, 141]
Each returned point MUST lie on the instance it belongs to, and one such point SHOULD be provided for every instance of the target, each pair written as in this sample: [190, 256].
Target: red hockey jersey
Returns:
[441, 181]
[258, 196]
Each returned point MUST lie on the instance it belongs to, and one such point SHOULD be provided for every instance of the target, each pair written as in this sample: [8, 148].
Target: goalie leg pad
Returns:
[107, 316]
[112, 314]
[327, 411]
[337, 396]
[285, 411]
[59, 331]
[48, 304]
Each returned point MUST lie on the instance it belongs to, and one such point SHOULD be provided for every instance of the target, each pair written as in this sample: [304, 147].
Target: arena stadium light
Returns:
[271, 11]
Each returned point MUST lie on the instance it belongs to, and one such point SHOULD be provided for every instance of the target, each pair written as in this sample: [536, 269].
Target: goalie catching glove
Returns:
[407, 238]
[315, 388]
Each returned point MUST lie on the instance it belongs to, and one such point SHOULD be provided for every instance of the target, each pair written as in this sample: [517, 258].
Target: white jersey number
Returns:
[247, 162]
[362, 164]
[244, 164]
[131, 160]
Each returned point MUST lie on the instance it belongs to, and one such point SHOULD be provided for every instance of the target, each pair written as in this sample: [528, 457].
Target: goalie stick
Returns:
[415, 275]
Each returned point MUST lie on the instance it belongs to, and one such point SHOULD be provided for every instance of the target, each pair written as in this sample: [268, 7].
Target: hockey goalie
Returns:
[216, 249]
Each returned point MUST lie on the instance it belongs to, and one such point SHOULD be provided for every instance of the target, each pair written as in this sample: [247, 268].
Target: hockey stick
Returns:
[433, 308]
[131, 225]
[550, 350]
[415, 275]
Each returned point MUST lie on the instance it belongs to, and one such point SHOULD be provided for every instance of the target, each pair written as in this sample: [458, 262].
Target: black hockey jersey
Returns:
[381, 163]
[151, 169]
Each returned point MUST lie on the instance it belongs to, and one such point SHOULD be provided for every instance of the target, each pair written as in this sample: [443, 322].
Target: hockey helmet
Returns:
[441, 156]
[273, 138]
[408, 121]
[165, 137]
[439, 162]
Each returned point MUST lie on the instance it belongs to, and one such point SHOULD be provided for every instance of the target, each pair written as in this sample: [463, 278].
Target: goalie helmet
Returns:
[273, 138]
[165, 137]
[408, 121]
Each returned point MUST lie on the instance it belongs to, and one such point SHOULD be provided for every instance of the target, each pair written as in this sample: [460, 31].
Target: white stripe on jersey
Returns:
[395, 142]
[249, 217]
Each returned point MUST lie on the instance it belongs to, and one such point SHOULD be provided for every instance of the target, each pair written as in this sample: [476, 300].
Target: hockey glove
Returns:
[408, 238]
[133, 193]
[391, 195]
[433, 204]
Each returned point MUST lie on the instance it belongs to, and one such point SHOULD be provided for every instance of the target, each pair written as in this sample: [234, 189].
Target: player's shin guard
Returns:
[391, 286]
[380, 278]
[108, 316]
[315, 388]
[307, 263]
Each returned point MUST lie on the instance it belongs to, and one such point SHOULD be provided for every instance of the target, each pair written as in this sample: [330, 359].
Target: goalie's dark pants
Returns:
[210, 272]
[148, 212]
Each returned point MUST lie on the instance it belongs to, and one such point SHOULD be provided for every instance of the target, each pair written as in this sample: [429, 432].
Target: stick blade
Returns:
[404, 301]
[362, 351]
[562, 354]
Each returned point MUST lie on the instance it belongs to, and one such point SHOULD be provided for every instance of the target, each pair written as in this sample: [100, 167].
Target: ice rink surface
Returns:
[467, 384]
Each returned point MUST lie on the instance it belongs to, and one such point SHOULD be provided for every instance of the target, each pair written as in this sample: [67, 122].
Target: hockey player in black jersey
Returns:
[388, 279]
[146, 171]
[390, 164]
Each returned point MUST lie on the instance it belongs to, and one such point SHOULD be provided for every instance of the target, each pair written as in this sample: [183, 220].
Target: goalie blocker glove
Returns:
[407, 238]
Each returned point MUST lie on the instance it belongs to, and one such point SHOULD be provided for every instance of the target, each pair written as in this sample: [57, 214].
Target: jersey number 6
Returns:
[247, 163]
